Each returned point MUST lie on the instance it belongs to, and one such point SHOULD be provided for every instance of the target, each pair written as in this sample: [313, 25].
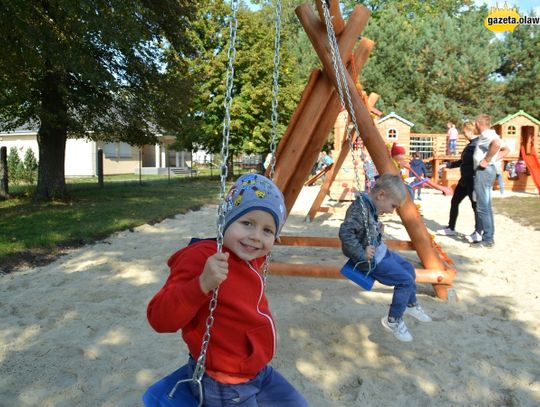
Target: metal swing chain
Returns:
[233, 25]
[198, 372]
[274, 117]
[275, 90]
[341, 81]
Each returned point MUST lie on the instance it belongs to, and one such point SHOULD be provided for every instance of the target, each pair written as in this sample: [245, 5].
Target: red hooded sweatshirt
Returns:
[243, 336]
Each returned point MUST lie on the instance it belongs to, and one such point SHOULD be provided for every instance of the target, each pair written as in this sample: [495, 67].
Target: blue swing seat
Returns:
[419, 182]
[362, 278]
[157, 395]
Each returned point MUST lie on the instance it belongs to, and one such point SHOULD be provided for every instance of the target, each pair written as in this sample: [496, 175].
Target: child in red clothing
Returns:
[243, 336]
[397, 152]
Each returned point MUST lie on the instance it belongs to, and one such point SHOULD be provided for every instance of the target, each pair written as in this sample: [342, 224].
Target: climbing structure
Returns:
[306, 134]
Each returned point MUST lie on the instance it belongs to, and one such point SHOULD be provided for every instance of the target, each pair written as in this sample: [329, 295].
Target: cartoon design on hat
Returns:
[254, 192]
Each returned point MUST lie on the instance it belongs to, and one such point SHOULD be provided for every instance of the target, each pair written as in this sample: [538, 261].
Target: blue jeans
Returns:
[268, 389]
[452, 144]
[411, 191]
[395, 271]
[483, 185]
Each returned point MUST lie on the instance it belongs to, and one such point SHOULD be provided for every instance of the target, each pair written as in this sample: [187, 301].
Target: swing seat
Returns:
[157, 395]
[362, 278]
[419, 182]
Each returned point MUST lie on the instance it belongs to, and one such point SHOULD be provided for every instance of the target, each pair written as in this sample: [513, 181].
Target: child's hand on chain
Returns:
[215, 272]
[370, 252]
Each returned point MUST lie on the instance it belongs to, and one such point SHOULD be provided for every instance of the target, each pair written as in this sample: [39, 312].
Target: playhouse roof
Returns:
[520, 113]
[393, 115]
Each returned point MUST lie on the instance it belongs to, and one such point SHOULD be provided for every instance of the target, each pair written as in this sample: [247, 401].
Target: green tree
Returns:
[434, 68]
[411, 8]
[96, 69]
[521, 70]
[252, 95]
[14, 166]
[29, 167]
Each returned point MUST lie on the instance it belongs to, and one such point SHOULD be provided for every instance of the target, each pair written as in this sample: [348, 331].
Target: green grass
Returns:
[30, 232]
[523, 210]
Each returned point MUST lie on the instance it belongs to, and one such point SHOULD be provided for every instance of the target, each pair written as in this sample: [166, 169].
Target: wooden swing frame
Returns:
[306, 134]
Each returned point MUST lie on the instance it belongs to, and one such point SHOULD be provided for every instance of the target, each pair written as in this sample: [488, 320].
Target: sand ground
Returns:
[74, 332]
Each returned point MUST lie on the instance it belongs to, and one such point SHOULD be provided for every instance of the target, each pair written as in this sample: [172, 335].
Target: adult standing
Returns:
[451, 138]
[465, 185]
[489, 150]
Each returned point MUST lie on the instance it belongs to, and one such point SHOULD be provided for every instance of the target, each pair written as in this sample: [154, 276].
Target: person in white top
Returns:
[452, 138]
[488, 152]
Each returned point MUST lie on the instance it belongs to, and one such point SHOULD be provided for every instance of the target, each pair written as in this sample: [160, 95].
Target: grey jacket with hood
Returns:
[352, 231]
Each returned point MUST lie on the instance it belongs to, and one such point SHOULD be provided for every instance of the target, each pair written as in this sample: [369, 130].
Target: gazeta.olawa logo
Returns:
[502, 19]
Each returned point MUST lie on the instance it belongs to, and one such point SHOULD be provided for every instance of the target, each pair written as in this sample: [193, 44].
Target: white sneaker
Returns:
[446, 232]
[475, 237]
[399, 329]
[418, 312]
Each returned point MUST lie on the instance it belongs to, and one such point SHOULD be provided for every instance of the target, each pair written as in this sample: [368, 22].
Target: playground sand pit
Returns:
[74, 332]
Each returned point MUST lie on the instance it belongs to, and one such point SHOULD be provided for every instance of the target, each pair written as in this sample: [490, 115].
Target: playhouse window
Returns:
[392, 134]
[511, 131]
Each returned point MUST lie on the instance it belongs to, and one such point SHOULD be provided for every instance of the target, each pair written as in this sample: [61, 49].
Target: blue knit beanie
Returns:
[254, 192]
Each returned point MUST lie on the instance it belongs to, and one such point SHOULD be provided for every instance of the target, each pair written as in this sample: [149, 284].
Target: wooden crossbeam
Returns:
[321, 241]
[322, 172]
[438, 277]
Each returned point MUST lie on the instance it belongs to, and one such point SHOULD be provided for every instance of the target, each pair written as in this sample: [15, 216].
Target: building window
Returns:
[117, 150]
[511, 131]
[392, 134]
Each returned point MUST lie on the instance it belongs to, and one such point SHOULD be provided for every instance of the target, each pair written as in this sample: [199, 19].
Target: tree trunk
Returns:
[51, 140]
[230, 168]
[4, 189]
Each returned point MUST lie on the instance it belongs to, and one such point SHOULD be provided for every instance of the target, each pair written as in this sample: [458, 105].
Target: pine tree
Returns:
[433, 68]
[14, 166]
[521, 69]
[29, 167]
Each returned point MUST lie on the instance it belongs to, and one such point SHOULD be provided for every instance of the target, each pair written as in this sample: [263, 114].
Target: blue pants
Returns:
[483, 184]
[411, 191]
[452, 144]
[268, 389]
[395, 271]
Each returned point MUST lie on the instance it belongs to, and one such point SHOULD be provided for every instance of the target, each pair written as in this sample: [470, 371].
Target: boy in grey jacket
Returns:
[362, 242]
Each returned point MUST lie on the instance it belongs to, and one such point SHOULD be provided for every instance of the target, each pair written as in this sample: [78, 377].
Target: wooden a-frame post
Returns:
[344, 151]
[306, 135]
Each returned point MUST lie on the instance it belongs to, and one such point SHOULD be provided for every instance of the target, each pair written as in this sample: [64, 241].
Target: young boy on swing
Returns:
[243, 336]
[367, 249]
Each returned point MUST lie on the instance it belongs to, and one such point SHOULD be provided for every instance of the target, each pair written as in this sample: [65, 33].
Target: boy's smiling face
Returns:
[251, 236]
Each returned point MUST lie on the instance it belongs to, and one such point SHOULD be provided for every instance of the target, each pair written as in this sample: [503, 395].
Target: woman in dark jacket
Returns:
[465, 186]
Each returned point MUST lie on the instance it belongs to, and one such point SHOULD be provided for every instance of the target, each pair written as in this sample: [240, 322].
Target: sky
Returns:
[524, 6]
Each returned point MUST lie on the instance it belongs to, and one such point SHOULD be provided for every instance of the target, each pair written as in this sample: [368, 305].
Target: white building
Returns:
[118, 157]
